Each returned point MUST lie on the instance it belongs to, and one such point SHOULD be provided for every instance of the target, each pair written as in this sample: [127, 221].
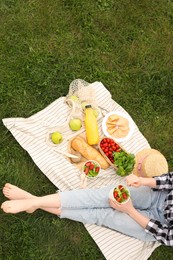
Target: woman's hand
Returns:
[126, 207]
[131, 211]
[133, 180]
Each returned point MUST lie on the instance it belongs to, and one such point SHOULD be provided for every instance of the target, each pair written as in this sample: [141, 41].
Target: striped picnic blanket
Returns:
[32, 132]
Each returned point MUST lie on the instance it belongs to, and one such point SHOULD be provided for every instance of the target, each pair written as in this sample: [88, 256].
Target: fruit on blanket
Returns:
[108, 146]
[56, 137]
[74, 98]
[75, 124]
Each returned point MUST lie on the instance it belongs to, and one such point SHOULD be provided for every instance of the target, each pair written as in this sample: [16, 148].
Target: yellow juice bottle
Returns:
[91, 126]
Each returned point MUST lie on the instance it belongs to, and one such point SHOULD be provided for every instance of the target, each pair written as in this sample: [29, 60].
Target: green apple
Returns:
[75, 124]
[56, 137]
[74, 98]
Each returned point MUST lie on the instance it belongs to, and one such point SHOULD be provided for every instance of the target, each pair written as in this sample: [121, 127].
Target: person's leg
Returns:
[142, 197]
[77, 198]
[88, 198]
[109, 218]
[100, 213]
[100, 216]
[13, 192]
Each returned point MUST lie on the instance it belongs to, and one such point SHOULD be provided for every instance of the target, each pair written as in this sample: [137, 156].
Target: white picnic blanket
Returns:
[31, 133]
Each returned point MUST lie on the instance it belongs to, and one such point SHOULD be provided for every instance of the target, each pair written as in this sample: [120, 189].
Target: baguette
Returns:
[88, 151]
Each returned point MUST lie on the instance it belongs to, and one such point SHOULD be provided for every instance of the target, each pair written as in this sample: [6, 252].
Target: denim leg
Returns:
[86, 198]
[110, 218]
[98, 198]
[91, 206]
[142, 197]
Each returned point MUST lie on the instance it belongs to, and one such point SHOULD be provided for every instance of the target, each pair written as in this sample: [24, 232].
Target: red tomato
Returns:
[97, 169]
[86, 170]
[118, 199]
[120, 187]
[88, 163]
[91, 167]
[115, 194]
[124, 196]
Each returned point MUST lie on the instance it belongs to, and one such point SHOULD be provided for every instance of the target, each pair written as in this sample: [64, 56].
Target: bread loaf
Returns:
[88, 151]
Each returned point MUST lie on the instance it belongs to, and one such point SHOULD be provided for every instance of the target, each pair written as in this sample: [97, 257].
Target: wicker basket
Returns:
[104, 155]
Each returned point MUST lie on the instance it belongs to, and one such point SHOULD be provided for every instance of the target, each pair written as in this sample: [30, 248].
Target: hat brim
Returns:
[153, 163]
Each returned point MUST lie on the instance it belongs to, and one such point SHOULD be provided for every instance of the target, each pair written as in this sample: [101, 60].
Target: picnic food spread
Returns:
[66, 177]
[89, 144]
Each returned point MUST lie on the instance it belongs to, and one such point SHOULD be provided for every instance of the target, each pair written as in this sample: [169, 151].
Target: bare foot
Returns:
[16, 206]
[12, 192]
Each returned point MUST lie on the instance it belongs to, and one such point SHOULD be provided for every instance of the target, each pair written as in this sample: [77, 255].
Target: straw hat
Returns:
[149, 163]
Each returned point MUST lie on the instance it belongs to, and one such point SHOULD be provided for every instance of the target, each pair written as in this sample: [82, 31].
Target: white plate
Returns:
[118, 113]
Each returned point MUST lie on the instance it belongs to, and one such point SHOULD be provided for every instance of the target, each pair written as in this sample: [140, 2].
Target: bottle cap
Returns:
[87, 106]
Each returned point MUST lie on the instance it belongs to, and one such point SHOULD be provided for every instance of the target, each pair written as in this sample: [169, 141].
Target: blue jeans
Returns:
[91, 206]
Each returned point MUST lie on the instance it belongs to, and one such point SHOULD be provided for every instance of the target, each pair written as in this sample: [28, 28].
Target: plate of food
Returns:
[118, 126]
[121, 194]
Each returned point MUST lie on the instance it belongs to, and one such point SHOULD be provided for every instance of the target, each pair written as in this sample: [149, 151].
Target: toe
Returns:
[6, 194]
[5, 207]
[8, 185]
[5, 191]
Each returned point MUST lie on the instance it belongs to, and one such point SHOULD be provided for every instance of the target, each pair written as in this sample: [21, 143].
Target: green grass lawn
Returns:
[44, 45]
